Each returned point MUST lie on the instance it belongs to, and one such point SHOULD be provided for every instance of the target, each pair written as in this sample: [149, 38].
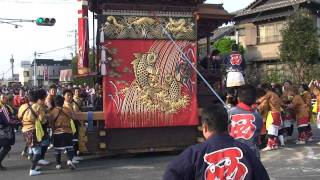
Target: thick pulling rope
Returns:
[190, 63]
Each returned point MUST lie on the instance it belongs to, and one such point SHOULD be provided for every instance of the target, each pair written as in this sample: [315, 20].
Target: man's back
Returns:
[220, 157]
[245, 126]
[234, 62]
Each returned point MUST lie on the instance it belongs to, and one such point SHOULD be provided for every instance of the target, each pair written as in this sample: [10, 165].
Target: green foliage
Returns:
[274, 76]
[224, 45]
[300, 46]
[92, 66]
[74, 65]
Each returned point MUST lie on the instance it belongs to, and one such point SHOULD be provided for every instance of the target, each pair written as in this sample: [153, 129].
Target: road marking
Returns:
[270, 155]
[311, 154]
[134, 167]
[305, 169]
[297, 156]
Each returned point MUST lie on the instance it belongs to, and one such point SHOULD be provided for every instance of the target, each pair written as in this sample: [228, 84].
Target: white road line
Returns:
[134, 167]
[270, 155]
[311, 154]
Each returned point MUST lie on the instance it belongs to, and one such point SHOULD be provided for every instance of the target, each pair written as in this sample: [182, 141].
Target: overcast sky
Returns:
[22, 42]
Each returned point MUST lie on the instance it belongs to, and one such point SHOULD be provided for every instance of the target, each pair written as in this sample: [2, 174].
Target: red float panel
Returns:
[149, 83]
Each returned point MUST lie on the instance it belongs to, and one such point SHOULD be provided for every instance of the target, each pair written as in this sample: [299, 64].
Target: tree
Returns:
[92, 66]
[224, 45]
[300, 46]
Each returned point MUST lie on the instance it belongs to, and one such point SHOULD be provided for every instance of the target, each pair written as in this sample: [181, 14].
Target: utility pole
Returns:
[75, 34]
[12, 62]
[34, 70]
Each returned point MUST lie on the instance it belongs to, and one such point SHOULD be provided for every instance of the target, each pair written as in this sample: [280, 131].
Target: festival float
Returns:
[145, 51]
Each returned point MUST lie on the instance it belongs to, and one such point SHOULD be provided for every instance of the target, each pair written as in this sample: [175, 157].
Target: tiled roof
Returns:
[270, 5]
[222, 32]
[268, 17]
[213, 11]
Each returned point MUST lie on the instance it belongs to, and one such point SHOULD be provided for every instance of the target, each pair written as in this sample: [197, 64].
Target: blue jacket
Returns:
[218, 157]
[245, 125]
[234, 62]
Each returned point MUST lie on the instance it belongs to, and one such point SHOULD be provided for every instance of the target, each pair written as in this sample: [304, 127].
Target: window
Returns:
[26, 73]
[270, 32]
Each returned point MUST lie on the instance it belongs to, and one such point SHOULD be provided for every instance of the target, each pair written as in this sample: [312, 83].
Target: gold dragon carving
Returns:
[148, 27]
[155, 95]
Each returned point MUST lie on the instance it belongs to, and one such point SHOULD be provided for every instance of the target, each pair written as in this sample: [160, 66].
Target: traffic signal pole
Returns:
[14, 21]
[41, 21]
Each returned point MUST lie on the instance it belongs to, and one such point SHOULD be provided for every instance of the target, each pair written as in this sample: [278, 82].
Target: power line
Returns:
[54, 50]
[44, 53]
[6, 72]
[59, 49]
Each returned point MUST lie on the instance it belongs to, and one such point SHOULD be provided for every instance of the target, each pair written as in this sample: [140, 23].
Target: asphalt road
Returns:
[294, 162]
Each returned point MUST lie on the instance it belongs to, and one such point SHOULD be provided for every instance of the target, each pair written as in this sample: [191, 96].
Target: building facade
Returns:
[25, 75]
[259, 30]
[47, 71]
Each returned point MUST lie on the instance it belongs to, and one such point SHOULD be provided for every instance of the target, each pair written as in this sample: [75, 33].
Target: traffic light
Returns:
[45, 21]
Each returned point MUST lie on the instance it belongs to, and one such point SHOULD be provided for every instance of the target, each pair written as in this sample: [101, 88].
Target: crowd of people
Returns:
[279, 104]
[47, 120]
[284, 107]
[90, 95]
[253, 118]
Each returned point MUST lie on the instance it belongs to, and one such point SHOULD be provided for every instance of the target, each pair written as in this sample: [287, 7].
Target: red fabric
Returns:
[264, 129]
[302, 122]
[126, 110]
[276, 116]
[83, 37]
[18, 101]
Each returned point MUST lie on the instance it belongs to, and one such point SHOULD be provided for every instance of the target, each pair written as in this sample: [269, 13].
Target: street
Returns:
[293, 162]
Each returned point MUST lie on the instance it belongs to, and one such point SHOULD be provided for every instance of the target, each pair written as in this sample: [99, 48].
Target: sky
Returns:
[22, 42]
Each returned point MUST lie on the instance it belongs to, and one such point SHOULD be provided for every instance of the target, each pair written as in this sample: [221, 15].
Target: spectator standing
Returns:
[7, 136]
[29, 114]
[42, 94]
[49, 102]
[59, 119]
[77, 101]
[20, 99]
[98, 102]
[68, 103]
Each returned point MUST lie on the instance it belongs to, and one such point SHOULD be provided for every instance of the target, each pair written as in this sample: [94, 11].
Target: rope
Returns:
[189, 62]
